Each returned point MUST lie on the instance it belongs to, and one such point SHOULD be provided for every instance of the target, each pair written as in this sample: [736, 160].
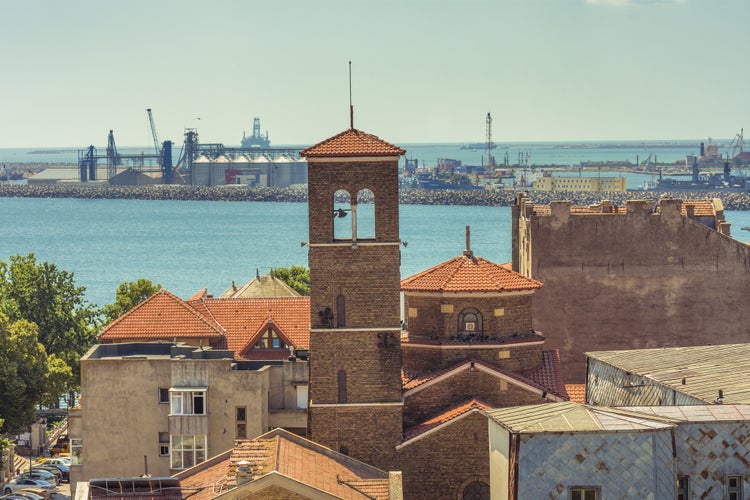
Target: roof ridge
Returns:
[132, 310]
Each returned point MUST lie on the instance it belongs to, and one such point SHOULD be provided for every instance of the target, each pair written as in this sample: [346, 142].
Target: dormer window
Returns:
[270, 340]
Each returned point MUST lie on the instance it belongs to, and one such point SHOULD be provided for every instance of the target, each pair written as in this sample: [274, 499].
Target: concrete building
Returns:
[547, 182]
[157, 408]
[573, 451]
[696, 375]
[631, 277]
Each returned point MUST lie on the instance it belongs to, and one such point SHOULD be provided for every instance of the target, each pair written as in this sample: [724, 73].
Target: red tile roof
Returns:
[701, 208]
[352, 142]
[163, 316]
[446, 416]
[468, 273]
[576, 392]
[297, 458]
[227, 323]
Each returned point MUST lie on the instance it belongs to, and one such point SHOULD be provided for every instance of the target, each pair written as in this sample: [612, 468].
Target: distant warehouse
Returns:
[593, 184]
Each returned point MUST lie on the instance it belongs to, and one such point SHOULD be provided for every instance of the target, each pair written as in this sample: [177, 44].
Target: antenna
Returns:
[351, 107]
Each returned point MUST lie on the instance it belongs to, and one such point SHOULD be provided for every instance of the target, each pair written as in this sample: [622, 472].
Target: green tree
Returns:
[23, 373]
[127, 296]
[297, 277]
[41, 293]
[59, 380]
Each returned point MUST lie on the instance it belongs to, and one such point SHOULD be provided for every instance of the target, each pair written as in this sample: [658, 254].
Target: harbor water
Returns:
[189, 245]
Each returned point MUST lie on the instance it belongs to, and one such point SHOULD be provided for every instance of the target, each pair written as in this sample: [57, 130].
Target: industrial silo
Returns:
[282, 171]
[299, 171]
[261, 163]
[200, 171]
[240, 166]
[218, 167]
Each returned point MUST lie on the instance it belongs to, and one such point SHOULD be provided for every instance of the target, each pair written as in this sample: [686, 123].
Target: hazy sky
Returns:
[423, 70]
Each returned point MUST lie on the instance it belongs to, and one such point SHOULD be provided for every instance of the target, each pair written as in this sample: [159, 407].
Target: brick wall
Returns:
[432, 323]
[371, 360]
[439, 465]
[370, 433]
[460, 387]
[424, 359]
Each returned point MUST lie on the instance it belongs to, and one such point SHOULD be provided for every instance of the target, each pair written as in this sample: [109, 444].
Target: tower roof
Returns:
[352, 142]
[468, 273]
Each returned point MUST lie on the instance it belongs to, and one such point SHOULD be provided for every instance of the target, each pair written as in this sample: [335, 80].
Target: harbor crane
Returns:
[157, 149]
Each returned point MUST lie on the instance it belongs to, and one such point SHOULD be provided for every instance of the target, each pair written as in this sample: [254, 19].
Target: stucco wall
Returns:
[631, 281]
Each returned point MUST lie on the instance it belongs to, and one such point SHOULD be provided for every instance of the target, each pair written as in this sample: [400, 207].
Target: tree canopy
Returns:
[40, 293]
[23, 373]
[127, 296]
[297, 277]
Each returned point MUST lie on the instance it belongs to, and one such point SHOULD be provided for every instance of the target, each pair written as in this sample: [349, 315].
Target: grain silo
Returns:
[218, 168]
[200, 171]
[261, 163]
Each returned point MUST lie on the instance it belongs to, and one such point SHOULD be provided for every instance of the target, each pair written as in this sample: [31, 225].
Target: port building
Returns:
[548, 182]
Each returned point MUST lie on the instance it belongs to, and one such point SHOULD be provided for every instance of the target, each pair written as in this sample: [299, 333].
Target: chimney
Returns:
[468, 251]
[244, 472]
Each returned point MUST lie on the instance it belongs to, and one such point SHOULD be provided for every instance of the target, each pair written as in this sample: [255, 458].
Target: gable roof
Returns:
[468, 273]
[546, 379]
[569, 416]
[446, 417]
[162, 316]
[705, 369]
[352, 142]
[280, 452]
[228, 323]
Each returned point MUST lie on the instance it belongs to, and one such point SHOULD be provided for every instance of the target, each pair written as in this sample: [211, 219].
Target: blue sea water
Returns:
[186, 246]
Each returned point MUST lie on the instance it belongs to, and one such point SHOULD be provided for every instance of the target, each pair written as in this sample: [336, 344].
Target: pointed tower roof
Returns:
[352, 142]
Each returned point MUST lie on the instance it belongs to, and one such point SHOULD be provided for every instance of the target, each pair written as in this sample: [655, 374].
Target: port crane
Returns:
[153, 131]
[738, 143]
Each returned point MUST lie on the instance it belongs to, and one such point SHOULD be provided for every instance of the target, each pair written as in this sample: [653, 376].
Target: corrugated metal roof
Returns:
[697, 413]
[705, 369]
[572, 417]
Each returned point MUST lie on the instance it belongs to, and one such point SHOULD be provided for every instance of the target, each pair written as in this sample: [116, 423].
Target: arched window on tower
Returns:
[343, 216]
[470, 323]
[365, 214]
[340, 311]
[342, 386]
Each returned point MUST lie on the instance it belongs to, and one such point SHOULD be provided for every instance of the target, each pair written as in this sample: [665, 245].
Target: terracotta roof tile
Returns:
[701, 208]
[231, 324]
[352, 142]
[576, 392]
[297, 458]
[549, 375]
[163, 316]
[468, 273]
[446, 416]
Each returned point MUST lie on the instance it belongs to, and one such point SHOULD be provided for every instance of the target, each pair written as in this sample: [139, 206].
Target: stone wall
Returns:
[632, 281]
[419, 359]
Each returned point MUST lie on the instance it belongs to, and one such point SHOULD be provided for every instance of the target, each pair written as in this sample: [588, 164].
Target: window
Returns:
[76, 451]
[734, 487]
[270, 340]
[365, 211]
[343, 219]
[187, 450]
[188, 402]
[163, 444]
[163, 395]
[470, 322]
[683, 487]
[301, 396]
[342, 386]
[241, 422]
[584, 493]
[477, 490]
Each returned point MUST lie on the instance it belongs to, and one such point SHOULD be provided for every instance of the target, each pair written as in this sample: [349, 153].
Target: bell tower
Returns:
[355, 333]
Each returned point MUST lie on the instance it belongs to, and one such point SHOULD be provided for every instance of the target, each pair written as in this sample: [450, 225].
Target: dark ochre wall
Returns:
[640, 280]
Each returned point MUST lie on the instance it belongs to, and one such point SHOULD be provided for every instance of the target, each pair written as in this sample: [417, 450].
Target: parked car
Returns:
[14, 496]
[40, 474]
[55, 468]
[33, 493]
[19, 483]
[51, 468]
[55, 461]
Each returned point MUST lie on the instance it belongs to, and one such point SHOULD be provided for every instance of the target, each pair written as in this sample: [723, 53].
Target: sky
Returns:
[421, 70]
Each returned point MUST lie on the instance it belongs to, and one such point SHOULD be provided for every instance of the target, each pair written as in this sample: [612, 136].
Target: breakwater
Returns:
[731, 200]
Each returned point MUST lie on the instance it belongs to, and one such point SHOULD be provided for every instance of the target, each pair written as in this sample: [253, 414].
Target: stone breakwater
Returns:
[731, 200]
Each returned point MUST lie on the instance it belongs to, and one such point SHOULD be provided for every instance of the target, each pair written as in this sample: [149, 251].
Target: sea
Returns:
[186, 246]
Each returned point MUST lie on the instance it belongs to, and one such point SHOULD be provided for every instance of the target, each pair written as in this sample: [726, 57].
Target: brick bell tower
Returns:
[354, 257]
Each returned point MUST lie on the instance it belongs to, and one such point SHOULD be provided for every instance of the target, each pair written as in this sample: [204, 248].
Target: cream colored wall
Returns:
[499, 458]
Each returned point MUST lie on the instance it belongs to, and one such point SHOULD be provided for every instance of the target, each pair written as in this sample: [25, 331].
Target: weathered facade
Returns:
[631, 277]
[159, 408]
[568, 450]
